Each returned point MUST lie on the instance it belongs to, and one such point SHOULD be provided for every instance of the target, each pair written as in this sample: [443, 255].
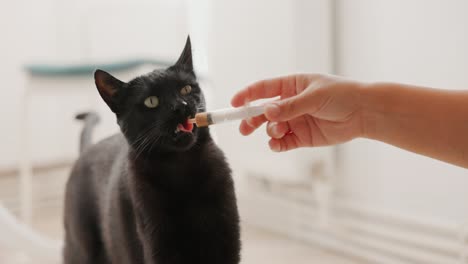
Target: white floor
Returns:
[258, 245]
[261, 246]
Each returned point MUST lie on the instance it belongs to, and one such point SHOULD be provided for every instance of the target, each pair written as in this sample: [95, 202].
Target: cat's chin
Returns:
[183, 141]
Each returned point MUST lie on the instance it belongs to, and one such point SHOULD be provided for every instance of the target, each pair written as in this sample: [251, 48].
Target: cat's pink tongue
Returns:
[186, 126]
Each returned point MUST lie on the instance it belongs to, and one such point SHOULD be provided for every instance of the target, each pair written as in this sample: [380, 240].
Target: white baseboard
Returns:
[371, 234]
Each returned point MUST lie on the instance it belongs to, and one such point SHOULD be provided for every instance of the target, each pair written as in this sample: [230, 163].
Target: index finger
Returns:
[263, 89]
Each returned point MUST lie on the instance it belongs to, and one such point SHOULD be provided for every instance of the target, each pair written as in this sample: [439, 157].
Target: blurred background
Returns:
[360, 202]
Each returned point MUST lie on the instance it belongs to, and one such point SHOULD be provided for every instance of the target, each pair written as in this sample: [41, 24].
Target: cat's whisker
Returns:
[145, 133]
[140, 143]
[154, 143]
[140, 140]
[148, 140]
[142, 146]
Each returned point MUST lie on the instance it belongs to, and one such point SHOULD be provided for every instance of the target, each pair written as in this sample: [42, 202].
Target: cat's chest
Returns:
[194, 216]
[176, 169]
[186, 215]
[174, 174]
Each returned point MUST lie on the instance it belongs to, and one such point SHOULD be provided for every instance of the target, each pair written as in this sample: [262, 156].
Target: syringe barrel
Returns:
[229, 114]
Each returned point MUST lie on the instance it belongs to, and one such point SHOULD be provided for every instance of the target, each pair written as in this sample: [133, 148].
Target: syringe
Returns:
[224, 115]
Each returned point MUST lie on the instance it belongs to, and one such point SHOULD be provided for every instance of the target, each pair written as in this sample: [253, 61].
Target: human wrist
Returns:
[373, 98]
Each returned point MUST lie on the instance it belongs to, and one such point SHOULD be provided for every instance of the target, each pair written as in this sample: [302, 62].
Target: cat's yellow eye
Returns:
[152, 102]
[186, 90]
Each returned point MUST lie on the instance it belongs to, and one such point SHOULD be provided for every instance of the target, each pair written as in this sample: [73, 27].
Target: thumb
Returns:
[286, 109]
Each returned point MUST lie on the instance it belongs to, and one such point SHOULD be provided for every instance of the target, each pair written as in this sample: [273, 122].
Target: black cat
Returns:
[161, 191]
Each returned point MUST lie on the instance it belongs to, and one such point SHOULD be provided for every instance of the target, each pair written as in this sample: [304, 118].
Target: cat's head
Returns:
[153, 110]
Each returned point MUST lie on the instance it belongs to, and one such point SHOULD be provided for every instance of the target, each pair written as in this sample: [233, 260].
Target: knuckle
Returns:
[290, 106]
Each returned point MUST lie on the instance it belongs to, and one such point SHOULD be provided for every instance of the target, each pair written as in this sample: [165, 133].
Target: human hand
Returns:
[313, 110]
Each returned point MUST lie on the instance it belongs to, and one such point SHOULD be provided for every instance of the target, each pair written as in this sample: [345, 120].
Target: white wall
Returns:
[422, 42]
[23, 24]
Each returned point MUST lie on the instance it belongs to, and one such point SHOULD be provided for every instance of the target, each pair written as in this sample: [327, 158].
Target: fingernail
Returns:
[249, 122]
[274, 146]
[272, 110]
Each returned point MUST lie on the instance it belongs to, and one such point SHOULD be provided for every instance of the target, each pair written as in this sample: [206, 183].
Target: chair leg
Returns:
[25, 169]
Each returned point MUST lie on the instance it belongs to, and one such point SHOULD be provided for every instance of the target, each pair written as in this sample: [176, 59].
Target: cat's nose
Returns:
[180, 108]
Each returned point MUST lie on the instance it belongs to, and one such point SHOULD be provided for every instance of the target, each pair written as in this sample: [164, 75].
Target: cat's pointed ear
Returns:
[185, 59]
[107, 86]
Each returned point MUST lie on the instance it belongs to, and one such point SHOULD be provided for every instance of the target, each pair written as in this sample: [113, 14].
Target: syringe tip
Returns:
[201, 119]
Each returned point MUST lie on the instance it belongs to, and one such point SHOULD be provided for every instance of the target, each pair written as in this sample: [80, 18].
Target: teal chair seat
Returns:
[57, 70]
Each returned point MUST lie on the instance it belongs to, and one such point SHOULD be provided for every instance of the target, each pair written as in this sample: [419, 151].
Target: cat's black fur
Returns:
[149, 195]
